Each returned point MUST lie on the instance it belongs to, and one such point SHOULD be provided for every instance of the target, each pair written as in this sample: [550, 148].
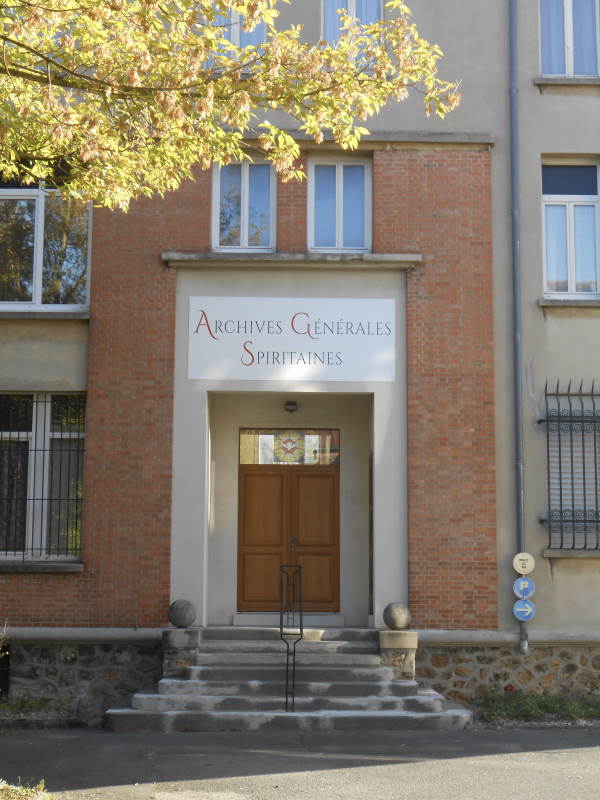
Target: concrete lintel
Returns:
[375, 138]
[490, 638]
[293, 261]
[398, 640]
[92, 635]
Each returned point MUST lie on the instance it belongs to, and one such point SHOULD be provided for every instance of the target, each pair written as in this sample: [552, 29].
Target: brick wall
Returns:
[434, 201]
[437, 202]
[127, 489]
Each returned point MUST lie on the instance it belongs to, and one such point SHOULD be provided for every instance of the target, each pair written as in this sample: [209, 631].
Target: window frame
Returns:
[340, 163]
[568, 42]
[235, 29]
[570, 201]
[243, 247]
[36, 304]
[351, 13]
[39, 439]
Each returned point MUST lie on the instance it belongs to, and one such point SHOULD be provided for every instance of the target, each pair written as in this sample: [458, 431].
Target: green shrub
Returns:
[496, 705]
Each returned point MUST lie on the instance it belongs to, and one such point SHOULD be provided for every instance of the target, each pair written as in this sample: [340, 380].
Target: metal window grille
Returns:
[573, 454]
[41, 475]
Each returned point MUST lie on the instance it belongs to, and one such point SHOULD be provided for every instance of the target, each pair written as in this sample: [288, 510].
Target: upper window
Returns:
[235, 33]
[570, 201]
[43, 248]
[569, 37]
[367, 11]
[339, 205]
[244, 207]
[41, 475]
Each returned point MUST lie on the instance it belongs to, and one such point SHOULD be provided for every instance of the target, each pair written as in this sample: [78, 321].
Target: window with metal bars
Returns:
[41, 475]
[573, 454]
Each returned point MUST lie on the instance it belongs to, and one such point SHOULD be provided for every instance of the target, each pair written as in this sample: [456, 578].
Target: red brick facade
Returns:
[437, 202]
[433, 201]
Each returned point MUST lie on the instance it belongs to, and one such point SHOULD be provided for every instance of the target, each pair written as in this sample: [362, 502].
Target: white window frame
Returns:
[570, 201]
[216, 211]
[38, 469]
[351, 11]
[340, 163]
[35, 304]
[568, 38]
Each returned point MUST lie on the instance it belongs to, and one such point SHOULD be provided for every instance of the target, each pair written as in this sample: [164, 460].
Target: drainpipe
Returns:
[516, 275]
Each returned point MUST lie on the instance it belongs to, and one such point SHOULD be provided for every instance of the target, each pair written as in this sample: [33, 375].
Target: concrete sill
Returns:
[566, 80]
[41, 566]
[580, 553]
[293, 261]
[569, 302]
[44, 314]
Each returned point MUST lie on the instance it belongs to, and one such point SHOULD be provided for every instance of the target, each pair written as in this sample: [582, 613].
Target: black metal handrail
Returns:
[291, 624]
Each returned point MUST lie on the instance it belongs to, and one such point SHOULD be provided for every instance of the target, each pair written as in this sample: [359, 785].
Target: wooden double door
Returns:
[288, 514]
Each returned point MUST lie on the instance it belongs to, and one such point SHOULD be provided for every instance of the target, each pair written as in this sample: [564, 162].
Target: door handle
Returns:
[293, 544]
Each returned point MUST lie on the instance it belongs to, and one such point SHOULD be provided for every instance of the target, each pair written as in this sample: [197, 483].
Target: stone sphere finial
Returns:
[182, 613]
[396, 616]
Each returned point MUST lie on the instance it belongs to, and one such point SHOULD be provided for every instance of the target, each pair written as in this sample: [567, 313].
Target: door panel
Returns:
[288, 515]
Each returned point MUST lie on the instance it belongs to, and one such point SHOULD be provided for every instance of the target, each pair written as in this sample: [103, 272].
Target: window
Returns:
[339, 205]
[569, 37]
[290, 447]
[367, 11]
[244, 207]
[570, 204]
[235, 33]
[573, 453]
[41, 472]
[43, 248]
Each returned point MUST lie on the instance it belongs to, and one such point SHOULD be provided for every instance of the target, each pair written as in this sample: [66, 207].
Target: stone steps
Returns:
[236, 681]
[277, 659]
[308, 673]
[128, 720]
[277, 646]
[423, 701]
[266, 688]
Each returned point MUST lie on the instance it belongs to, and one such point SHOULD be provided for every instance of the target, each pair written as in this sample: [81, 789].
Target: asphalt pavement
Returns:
[507, 764]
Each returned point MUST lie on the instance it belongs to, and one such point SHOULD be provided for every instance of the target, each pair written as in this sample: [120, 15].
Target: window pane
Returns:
[17, 231]
[556, 249]
[65, 250]
[584, 37]
[230, 218]
[585, 248]
[16, 413]
[553, 41]
[325, 206]
[570, 180]
[331, 19]
[368, 11]
[289, 447]
[13, 495]
[354, 206]
[259, 215]
[253, 38]
[65, 497]
[67, 413]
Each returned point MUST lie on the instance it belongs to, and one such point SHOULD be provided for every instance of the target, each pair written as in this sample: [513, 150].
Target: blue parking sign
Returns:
[524, 587]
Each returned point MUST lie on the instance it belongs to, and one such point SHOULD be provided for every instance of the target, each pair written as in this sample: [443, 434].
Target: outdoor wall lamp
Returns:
[291, 406]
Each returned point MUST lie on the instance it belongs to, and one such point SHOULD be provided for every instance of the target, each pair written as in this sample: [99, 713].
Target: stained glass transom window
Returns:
[305, 447]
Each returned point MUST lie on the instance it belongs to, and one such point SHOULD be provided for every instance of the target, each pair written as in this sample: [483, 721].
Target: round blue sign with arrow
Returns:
[524, 610]
[524, 587]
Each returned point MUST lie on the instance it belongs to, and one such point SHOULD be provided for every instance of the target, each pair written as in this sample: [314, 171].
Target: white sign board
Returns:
[523, 563]
[292, 339]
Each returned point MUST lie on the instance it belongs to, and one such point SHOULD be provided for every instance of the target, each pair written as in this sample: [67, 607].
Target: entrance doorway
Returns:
[288, 514]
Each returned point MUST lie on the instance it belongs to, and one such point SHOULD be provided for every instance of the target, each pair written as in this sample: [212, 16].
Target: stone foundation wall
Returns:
[81, 680]
[463, 672]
